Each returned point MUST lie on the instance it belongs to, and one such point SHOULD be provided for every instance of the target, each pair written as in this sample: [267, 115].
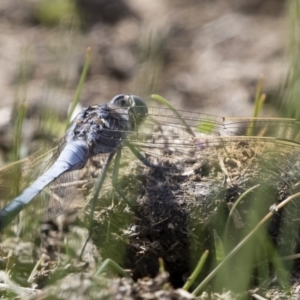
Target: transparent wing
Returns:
[56, 198]
[195, 122]
[184, 134]
[209, 145]
[173, 138]
[15, 177]
[71, 187]
[168, 135]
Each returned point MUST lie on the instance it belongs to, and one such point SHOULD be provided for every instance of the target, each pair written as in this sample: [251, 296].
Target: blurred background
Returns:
[199, 54]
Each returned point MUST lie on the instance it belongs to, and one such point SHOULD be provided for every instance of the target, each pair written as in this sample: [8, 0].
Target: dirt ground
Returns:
[204, 55]
[200, 55]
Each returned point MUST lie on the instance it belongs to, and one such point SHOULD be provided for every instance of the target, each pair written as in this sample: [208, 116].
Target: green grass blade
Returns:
[220, 252]
[197, 270]
[243, 242]
[109, 263]
[235, 206]
[205, 126]
[80, 85]
[18, 131]
[289, 102]
[259, 100]
[165, 102]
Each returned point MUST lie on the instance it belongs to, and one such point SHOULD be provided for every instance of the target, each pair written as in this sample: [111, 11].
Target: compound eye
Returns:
[120, 101]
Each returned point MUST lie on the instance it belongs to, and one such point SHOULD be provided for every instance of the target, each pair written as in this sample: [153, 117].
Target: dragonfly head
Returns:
[137, 109]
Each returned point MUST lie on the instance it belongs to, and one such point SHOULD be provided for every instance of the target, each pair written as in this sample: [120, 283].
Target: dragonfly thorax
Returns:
[103, 128]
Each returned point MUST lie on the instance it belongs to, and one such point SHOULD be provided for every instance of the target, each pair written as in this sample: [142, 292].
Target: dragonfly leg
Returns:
[99, 182]
[97, 188]
[141, 157]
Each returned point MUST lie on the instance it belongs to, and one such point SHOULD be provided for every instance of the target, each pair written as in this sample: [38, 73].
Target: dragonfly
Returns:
[97, 129]
[127, 124]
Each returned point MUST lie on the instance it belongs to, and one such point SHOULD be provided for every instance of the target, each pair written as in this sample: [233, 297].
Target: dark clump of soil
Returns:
[163, 222]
